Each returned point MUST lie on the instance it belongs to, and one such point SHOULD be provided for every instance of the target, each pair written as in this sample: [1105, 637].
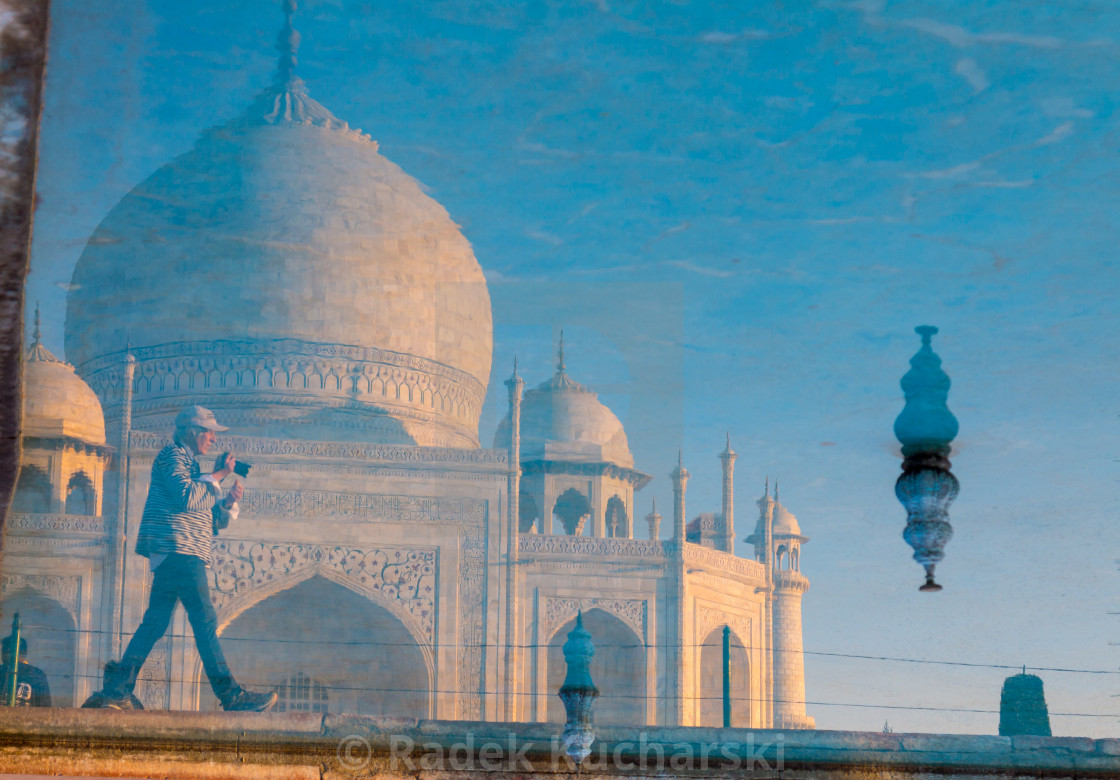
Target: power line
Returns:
[528, 694]
[603, 646]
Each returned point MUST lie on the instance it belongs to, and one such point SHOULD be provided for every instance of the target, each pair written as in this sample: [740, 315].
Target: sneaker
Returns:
[247, 701]
[102, 701]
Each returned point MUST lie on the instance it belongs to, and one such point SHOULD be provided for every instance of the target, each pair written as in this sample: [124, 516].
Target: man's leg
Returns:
[161, 605]
[195, 595]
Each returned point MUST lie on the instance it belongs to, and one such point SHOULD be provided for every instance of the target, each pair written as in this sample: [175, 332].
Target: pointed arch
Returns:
[710, 684]
[573, 509]
[52, 639]
[359, 656]
[33, 491]
[617, 521]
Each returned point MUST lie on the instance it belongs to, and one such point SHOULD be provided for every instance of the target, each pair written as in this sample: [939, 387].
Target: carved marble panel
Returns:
[403, 579]
[66, 590]
[557, 611]
[708, 619]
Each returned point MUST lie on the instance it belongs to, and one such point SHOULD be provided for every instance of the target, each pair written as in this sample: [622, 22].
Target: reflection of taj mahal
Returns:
[286, 275]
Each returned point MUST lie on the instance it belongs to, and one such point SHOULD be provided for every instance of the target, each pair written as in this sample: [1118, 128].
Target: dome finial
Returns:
[287, 43]
[775, 491]
[37, 335]
[560, 354]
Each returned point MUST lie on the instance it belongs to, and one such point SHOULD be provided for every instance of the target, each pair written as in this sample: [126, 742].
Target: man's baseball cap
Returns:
[198, 417]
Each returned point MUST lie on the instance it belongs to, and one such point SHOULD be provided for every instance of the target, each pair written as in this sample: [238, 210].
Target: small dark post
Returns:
[727, 677]
[13, 675]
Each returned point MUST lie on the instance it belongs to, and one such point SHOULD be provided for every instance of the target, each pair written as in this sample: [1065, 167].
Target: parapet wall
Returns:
[302, 745]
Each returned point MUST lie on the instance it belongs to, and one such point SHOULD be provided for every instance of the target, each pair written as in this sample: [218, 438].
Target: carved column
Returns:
[680, 482]
[515, 384]
[728, 459]
[120, 528]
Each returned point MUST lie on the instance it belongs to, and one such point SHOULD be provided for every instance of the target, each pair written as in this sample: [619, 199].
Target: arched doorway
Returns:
[618, 669]
[617, 523]
[572, 510]
[345, 652]
[711, 681]
[51, 638]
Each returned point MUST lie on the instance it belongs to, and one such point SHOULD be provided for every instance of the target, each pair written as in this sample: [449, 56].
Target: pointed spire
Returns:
[654, 510]
[775, 491]
[287, 43]
[767, 486]
[560, 354]
[36, 352]
[37, 334]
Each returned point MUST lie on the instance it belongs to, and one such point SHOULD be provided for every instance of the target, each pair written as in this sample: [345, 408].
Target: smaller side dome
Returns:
[562, 420]
[56, 402]
[784, 522]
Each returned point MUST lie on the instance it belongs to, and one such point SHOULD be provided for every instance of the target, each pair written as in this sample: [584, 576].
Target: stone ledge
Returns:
[204, 745]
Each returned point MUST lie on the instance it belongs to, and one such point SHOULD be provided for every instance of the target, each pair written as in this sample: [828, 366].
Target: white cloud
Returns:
[686, 265]
[956, 172]
[548, 238]
[967, 69]
[1018, 184]
[961, 38]
[1064, 107]
[1059, 133]
[721, 37]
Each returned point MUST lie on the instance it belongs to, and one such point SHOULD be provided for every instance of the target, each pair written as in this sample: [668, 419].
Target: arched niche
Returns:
[51, 638]
[528, 513]
[33, 491]
[617, 523]
[359, 654]
[711, 681]
[572, 510]
[618, 669]
[80, 498]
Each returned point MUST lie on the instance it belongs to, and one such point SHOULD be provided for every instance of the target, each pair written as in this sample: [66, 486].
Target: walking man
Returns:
[184, 510]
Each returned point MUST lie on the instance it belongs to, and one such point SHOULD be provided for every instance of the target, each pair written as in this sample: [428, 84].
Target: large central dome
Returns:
[284, 272]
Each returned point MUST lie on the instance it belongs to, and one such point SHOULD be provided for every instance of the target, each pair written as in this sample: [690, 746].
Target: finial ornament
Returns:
[287, 43]
[578, 693]
[560, 367]
[767, 486]
[37, 335]
[926, 429]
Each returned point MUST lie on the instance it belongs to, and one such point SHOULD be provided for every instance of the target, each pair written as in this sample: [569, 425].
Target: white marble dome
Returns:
[56, 402]
[562, 420]
[284, 273]
[784, 521]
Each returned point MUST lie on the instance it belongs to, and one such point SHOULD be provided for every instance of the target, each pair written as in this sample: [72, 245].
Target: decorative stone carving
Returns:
[401, 579]
[708, 619]
[308, 504]
[152, 686]
[586, 545]
[66, 590]
[724, 563]
[250, 446]
[558, 611]
[472, 620]
[57, 524]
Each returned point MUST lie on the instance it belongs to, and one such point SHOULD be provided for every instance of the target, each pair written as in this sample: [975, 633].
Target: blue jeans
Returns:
[181, 578]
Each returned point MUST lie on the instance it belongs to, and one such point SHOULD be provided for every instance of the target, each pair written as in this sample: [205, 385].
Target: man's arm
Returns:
[173, 470]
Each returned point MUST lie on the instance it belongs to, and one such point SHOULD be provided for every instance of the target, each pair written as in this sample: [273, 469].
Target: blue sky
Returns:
[738, 212]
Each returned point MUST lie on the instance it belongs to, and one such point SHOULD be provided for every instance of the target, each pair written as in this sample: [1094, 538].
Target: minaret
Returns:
[680, 477]
[727, 457]
[789, 587]
[653, 519]
[515, 384]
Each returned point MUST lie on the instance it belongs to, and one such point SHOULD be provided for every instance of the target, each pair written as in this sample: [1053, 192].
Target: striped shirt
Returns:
[183, 509]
